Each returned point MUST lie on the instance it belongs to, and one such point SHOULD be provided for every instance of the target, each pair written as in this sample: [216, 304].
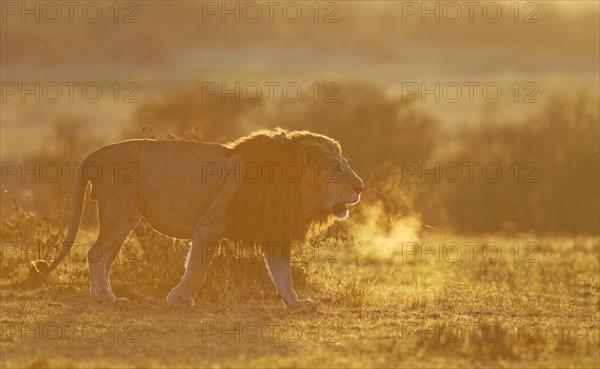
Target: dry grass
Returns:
[376, 309]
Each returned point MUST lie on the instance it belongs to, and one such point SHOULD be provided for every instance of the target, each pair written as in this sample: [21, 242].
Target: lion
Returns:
[270, 188]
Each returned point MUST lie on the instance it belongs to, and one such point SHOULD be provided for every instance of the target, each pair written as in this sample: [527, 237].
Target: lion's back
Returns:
[168, 179]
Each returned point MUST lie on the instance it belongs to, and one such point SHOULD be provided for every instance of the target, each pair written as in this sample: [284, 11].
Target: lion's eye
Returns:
[337, 168]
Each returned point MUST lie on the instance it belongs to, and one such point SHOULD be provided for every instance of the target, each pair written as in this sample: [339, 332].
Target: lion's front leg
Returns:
[208, 233]
[277, 258]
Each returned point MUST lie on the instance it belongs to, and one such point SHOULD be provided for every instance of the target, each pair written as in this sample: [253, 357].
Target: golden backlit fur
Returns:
[203, 191]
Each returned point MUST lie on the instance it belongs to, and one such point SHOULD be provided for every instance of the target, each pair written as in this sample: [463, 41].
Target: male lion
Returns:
[269, 188]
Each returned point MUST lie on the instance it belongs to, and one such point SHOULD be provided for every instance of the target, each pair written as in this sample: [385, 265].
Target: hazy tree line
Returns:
[549, 180]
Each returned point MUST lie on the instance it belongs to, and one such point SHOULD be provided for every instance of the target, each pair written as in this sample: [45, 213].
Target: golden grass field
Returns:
[498, 302]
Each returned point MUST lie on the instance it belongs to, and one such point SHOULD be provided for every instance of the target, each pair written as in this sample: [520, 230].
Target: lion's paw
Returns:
[122, 301]
[180, 299]
[302, 304]
[110, 298]
[103, 296]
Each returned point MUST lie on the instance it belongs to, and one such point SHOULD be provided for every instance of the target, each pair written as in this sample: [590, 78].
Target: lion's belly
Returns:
[172, 225]
[174, 209]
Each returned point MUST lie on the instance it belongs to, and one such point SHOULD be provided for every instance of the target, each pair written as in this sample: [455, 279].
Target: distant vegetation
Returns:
[552, 188]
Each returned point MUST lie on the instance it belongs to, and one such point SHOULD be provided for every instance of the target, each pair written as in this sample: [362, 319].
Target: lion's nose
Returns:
[359, 189]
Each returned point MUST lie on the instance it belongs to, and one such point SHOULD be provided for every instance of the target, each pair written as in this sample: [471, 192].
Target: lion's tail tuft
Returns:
[41, 266]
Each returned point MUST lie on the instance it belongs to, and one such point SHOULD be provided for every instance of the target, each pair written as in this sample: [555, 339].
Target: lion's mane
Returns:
[277, 208]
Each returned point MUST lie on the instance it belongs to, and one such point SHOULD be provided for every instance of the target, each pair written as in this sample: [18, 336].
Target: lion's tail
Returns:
[79, 192]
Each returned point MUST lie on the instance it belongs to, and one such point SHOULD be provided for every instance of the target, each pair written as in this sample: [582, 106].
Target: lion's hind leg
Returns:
[115, 221]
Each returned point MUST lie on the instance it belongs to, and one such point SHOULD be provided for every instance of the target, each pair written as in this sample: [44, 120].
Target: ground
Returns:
[535, 304]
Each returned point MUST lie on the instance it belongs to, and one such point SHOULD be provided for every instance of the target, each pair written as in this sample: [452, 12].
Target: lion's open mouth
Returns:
[339, 207]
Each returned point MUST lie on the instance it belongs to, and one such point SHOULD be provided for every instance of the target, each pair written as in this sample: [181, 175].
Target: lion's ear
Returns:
[310, 155]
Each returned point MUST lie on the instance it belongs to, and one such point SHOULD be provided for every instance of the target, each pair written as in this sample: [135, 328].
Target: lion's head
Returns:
[304, 182]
